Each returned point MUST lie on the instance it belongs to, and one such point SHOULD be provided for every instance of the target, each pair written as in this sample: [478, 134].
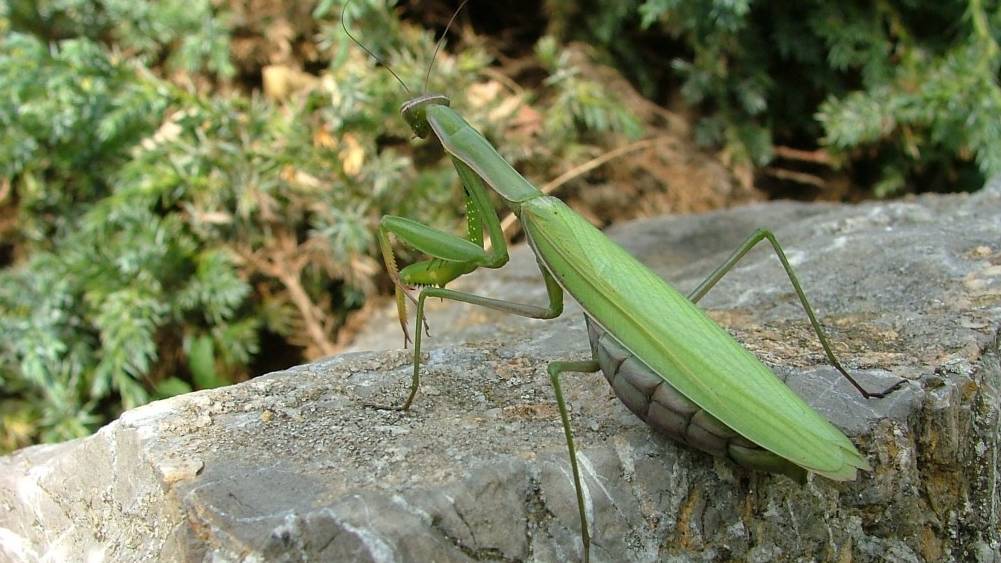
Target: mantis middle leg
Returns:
[552, 310]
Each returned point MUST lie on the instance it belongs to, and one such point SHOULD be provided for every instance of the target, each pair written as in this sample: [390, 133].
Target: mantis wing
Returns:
[684, 346]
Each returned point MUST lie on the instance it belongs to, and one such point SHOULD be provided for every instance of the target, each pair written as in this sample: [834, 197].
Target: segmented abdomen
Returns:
[669, 412]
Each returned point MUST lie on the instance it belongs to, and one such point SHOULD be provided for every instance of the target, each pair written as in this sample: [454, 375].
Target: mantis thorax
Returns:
[415, 112]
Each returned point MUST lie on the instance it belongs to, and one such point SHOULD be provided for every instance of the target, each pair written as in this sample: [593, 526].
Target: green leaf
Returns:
[201, 362]
[171, 387]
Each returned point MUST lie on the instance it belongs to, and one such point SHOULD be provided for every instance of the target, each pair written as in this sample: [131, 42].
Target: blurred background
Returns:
[189, 189]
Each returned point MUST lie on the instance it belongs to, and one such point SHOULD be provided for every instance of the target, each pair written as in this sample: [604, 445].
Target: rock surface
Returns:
[292, 467]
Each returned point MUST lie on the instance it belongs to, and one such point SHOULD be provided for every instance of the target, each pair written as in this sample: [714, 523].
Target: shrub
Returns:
[165, 227]
[907, 89]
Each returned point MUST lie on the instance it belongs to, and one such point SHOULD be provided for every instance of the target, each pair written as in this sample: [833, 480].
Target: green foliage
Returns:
[580, 104]
[948, 109]
[164, 228]
[68, 113]
[190, 33]
[908, 88]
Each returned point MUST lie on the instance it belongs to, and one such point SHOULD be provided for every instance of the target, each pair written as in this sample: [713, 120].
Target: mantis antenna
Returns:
[441, 40]
[378, 59]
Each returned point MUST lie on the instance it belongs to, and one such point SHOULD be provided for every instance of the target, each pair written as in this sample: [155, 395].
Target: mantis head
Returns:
[415, 112]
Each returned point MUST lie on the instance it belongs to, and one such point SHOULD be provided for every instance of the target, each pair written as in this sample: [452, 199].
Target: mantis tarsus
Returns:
[667, 360]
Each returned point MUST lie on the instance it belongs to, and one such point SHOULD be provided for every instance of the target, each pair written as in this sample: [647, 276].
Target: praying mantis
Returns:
[664, 357]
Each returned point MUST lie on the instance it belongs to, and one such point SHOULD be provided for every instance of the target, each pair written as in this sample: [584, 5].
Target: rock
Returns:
[292, 467]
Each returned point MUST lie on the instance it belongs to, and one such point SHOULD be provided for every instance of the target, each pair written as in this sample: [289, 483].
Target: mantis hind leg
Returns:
[756, 237]
[555, 370]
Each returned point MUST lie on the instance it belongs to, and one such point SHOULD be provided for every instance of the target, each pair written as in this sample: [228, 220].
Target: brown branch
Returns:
[798, 177]
[819, 156]
[312, 316]
[504, 79]
[286, 263]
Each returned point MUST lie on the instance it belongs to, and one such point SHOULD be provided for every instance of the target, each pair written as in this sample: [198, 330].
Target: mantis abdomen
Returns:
[666, 410]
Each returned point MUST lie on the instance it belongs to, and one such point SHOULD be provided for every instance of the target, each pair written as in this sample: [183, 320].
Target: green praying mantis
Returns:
[665, 358]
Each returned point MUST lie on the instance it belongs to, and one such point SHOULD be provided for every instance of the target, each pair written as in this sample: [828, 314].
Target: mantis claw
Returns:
[406, 334]
[409, 291]
[401, 311]
[404, 291]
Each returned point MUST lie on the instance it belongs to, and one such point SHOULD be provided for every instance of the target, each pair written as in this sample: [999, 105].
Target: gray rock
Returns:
[292, 467]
